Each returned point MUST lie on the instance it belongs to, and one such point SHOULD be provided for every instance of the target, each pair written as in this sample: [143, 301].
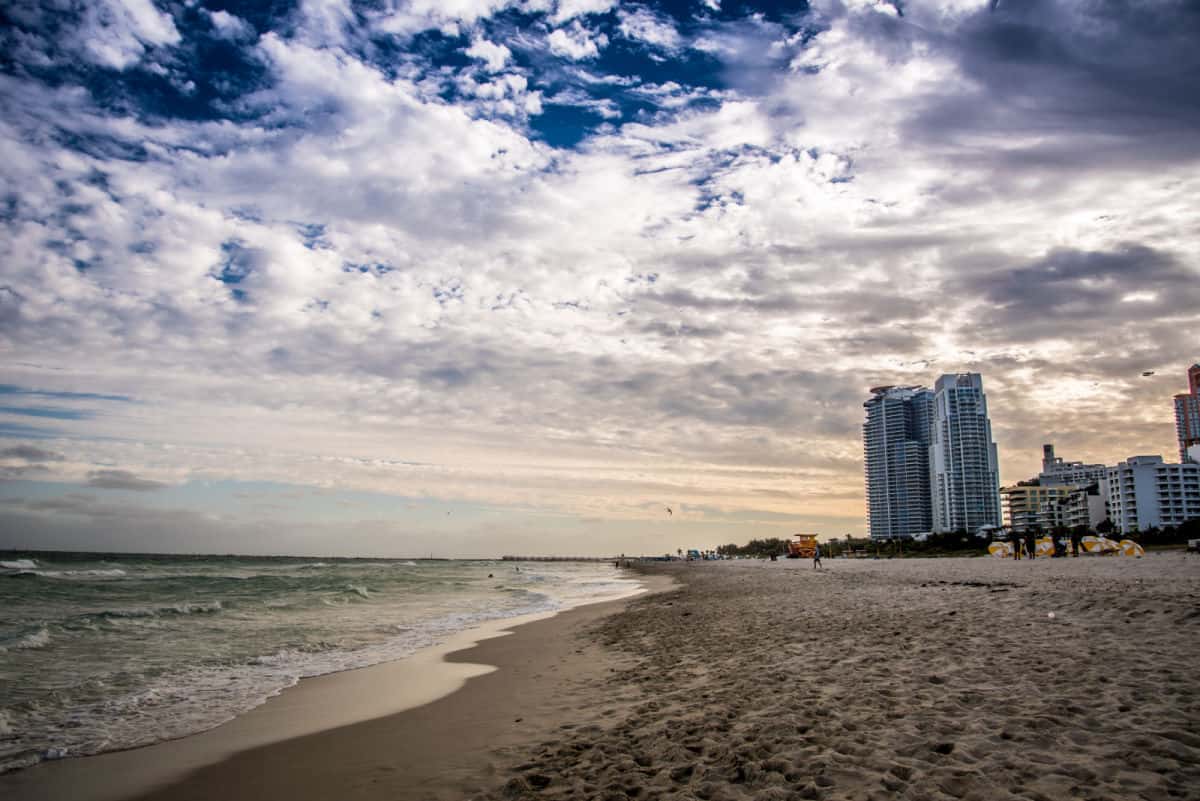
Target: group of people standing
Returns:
[1028, 544]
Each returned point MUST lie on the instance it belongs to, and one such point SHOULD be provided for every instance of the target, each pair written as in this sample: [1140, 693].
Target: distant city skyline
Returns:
[495, 276]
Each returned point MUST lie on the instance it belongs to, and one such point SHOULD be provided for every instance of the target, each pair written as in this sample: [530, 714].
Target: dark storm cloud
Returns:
[122, 480]
[685, 298]
[30, 454]
[1083, 289]
[1120, 76]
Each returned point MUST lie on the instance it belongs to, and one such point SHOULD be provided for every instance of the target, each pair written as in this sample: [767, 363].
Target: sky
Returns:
[474, 277]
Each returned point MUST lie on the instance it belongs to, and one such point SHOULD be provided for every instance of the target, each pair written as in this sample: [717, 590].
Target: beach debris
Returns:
[1147, 373]
[538, 781]
[1050, 615]
[516, 787]
[669, 512]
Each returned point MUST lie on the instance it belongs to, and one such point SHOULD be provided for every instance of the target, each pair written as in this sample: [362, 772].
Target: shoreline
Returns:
[333, 705]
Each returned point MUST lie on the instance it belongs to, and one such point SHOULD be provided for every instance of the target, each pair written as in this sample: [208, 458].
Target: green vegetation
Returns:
[958, 543]
[755, 548]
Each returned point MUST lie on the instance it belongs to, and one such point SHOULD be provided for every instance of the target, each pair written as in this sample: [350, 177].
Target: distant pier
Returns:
[563, 558]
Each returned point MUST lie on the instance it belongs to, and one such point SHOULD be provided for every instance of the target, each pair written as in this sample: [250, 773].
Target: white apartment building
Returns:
[1144, 491]
[964, 469]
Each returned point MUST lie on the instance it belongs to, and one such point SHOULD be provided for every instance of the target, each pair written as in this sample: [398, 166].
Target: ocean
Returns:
[100, 652]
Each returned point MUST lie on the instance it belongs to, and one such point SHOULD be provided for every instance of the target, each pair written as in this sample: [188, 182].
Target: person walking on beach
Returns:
[816, 556]
[1075, 539]
[1030, 544]
[1014, 539]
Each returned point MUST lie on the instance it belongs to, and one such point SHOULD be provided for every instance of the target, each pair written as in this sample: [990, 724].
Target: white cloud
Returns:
[686, 306]
[448, 16]
[643, 25]
[229, 26]
[117, 33]
[576, 42]
[567, 10]
[496, 56]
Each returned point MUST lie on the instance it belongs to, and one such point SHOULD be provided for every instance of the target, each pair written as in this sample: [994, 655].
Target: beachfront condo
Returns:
[896, 457]
[964, 468]
[1187, 415]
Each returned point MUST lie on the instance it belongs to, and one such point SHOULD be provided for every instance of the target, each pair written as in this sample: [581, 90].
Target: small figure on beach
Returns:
[816, 556]
[1030, 544]
[1014, 539]
[1076, 538]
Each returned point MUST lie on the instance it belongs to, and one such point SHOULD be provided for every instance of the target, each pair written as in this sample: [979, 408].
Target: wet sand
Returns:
[428, 727]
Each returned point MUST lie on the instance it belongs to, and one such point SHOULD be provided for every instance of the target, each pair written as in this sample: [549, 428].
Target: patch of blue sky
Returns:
[100, 146]
[237, 264]
[313, 235]
[565, 126]
[48, 412]
[22, 431]
[13, 389]
[372, 268]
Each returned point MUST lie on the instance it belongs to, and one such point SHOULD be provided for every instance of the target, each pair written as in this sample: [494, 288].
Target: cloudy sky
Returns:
[468, 277]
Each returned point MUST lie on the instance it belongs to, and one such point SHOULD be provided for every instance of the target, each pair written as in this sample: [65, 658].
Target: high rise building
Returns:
[964, 468]
[896, 451]
[1187, 414]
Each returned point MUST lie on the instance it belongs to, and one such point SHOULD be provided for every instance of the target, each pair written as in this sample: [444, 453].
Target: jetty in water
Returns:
[563, 558]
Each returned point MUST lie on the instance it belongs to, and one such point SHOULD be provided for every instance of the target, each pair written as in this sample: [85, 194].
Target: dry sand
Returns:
[905, 679]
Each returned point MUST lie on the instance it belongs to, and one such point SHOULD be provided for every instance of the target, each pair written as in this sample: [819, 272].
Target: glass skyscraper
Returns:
[964, 469]
[896, 452]
[1187, 414]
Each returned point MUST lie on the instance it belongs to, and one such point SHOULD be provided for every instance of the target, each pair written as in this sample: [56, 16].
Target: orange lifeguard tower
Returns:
[802, 546]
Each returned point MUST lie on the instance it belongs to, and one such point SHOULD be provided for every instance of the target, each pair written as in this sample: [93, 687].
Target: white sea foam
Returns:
[200, 671]
[38, 639]
[114, 572]
[196, 608]
[19, 564]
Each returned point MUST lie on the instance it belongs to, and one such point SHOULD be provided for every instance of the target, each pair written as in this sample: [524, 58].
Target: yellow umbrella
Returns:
[1131, 548]
[1098, 545]
[1045, 546]
[1001, 550]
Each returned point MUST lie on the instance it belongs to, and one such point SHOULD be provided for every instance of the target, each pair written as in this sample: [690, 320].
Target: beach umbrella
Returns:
[1131, 548]
[1045, 546]
[1001, 550]
[1099, 545]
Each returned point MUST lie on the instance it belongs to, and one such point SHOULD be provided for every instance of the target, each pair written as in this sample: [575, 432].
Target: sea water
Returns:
[105, 652]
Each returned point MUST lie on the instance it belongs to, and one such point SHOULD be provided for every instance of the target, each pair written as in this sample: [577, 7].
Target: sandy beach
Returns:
[913, 679]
